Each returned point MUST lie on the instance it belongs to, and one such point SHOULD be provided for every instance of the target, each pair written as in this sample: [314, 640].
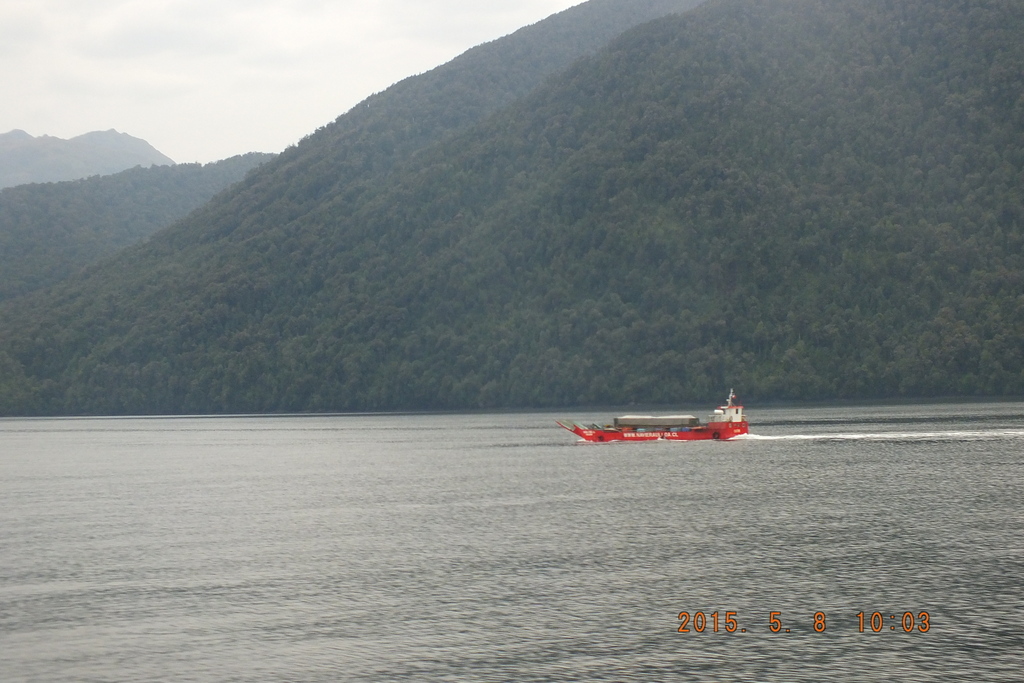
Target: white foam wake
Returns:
[974, 435]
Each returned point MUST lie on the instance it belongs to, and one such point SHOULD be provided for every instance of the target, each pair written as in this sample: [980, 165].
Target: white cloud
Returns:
[206, 79]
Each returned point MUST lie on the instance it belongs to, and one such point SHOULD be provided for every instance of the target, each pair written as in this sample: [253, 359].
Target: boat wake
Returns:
[986, 435]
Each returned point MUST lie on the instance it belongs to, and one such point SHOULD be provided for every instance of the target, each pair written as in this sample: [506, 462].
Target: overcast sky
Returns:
[203, 80]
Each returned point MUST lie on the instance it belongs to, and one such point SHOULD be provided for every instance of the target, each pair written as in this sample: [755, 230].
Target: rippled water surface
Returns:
[497, 548]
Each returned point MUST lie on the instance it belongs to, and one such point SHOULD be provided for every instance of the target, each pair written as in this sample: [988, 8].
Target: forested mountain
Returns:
[44, 159]
[50, 230]
[353, 152]
[798, 198]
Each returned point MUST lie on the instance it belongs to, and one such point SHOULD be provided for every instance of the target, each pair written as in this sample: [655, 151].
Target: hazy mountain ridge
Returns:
[800, 198]
[26, 159]
[50, 230]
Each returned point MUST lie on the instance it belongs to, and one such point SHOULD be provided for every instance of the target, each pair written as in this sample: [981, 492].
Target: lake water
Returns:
[498, 548]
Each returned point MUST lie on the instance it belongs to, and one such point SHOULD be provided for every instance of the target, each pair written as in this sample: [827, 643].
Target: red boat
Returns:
[727, 422]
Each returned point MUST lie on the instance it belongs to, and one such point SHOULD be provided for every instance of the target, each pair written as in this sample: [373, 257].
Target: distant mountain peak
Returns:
[14, 136]
[28, 159]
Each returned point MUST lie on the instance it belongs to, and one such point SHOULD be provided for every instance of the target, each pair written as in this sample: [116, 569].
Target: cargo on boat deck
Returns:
[663, 421]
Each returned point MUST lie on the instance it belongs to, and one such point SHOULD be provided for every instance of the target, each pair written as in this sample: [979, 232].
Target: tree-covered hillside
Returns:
[798, 198]
[342, 159]
[50, 230]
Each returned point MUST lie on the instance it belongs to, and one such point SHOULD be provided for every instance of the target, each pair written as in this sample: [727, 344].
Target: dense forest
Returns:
[799, 198]
[50, 230]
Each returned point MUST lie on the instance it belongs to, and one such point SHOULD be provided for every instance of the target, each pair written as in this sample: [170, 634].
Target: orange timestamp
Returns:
[715, 622]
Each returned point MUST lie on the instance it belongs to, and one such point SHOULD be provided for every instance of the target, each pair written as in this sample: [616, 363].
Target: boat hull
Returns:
[709, 432]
